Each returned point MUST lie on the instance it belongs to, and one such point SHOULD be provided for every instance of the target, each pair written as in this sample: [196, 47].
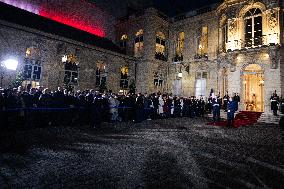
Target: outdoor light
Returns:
[64, 58]
[180, 75]
[11, 64]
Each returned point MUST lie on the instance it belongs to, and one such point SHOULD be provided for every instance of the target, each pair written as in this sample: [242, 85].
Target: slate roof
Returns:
[24, 18]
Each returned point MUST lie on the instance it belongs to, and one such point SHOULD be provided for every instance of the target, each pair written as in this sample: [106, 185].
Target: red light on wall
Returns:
[73, 22]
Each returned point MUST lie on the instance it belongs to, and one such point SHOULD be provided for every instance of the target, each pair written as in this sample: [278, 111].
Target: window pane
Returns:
[258, 30]
[136, 39]
[37, 73]
[200, 87]
[248, 33]
[198, 75]
[28, 71]
[67, 77]
[158, 40]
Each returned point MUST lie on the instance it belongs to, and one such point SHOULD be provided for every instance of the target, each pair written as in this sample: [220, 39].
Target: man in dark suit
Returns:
[274, 103]
[231, 108]
[139, 107]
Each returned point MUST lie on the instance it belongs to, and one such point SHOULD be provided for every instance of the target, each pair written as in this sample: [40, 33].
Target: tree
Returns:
[18, 80]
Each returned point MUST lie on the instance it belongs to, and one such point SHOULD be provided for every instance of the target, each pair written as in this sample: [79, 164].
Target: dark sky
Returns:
[170, 7]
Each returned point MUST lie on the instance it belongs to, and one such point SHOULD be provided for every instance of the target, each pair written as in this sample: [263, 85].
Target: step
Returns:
[268, 117]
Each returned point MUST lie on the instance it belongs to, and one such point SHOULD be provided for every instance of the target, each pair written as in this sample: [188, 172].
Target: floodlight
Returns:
[11, 64]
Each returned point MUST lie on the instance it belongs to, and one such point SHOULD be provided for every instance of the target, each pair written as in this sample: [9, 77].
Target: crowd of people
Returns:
[38, 106]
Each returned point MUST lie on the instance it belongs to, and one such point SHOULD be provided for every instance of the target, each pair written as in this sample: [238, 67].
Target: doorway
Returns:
[253, 83]
[200, 87]
[177, 87]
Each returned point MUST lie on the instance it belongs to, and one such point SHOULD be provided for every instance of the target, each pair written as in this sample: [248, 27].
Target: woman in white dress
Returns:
[113, 104]
[161, 104]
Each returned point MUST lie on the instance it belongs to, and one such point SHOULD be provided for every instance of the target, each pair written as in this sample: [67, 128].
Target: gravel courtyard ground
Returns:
[174, 153]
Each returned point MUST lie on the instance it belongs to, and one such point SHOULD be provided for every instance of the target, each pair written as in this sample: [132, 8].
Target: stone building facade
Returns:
[49, 60]
[236, 46]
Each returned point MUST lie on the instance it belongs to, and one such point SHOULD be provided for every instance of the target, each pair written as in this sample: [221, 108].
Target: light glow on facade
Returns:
[65, 15]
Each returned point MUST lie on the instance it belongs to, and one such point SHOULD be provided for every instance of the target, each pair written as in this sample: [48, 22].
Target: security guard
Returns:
[274, 103]
[225, 101]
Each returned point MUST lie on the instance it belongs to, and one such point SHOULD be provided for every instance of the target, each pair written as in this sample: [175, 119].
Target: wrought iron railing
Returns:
[161, 56]
[250, 43]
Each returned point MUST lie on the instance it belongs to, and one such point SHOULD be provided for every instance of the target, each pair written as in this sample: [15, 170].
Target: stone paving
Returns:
[174, 153]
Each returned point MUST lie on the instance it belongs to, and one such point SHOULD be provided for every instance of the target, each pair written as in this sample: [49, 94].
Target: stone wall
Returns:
[191, 26]
[14, 41]
[150, 22]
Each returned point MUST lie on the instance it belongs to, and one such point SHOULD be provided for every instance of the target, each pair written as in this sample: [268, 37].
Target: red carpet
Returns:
[243, 118]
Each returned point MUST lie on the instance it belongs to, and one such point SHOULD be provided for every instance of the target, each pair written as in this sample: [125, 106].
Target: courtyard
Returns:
[173, 153]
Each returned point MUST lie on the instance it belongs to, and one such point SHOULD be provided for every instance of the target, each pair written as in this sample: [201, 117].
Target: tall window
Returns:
[253, 27]
[32, 67]
[71, 69]
[158, 81]
[160, 46]
[124, 77]
[180, 43]
[203, 42]
[123, 41]
[224, 36]
[139, 43]
[100, 74]
[200, 85]
[179, 47]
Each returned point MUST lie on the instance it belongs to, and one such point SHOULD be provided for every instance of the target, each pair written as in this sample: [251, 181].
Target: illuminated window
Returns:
[180, 43]
[123, 41]
[124, 77]
[71, 73]
[224, 35]
[203, 42]
[101, 74]
[253, 27]
[32, 65]
[33, 53]
[158, 81]
[139, 43]
[179, 47]
[160, 46]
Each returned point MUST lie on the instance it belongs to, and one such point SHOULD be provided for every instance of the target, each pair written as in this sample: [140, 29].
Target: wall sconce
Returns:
[180, 74]
[64, 58]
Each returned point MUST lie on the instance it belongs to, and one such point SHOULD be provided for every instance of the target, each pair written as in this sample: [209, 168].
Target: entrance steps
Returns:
[269, 118]
[266, 117]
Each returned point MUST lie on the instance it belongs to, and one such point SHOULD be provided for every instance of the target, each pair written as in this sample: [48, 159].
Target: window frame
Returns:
[252, 42]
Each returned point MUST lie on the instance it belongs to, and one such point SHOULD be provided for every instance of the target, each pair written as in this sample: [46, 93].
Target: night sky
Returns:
[170, 7]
